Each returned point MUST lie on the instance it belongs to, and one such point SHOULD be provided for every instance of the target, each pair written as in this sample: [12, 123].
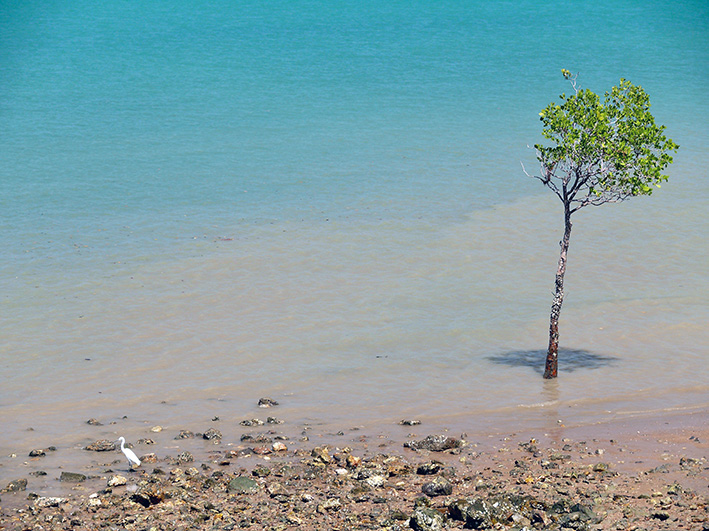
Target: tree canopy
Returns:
[605, 150]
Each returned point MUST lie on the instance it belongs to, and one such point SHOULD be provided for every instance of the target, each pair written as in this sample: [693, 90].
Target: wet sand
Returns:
[645, 473]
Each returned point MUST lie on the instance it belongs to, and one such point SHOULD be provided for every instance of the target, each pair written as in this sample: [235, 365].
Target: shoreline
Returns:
[645, 456]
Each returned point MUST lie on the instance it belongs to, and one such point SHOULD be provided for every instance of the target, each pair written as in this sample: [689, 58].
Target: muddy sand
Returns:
[645, 474]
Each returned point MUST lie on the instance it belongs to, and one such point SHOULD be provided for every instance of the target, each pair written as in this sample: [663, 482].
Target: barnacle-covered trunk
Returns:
[551, 369]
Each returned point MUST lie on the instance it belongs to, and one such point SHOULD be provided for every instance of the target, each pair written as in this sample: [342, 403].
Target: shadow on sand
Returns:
[570, 360]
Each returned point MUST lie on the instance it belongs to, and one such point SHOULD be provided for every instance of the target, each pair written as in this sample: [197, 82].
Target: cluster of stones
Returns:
[440, 485]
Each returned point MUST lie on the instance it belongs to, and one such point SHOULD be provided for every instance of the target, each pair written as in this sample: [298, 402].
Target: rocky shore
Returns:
[272, 479]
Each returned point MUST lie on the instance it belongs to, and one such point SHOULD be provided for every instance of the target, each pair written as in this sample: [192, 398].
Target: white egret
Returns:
[132, 458]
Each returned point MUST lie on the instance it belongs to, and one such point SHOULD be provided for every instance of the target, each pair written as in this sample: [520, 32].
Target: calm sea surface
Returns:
[204, 203]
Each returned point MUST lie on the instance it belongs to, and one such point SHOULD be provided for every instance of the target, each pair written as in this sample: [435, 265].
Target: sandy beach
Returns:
[651, 473]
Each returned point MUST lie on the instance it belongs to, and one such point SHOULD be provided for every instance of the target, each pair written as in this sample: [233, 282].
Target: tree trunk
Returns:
[551, 368]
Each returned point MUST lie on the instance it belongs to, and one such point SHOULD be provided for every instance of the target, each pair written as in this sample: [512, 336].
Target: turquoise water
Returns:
[324, 202]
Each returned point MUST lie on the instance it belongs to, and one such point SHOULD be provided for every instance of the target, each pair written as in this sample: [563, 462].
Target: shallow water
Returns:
[326, 206]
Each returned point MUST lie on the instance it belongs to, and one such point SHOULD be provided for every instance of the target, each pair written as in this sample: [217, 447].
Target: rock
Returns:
[148, 495]
[321, 455]
[212, 435]
[102, 445]
[426, 519]
[149, 458]
[361, 493]
[116, 481]
[185, 434]
[375, 481]
[428, 469]
[397, 467]
[185, 457]
[457, 509]
[600, 467]
[292, 519]
[410, 422]
[261, 450]
[331, 504]
[93, 422]
[434, 443]
[274, 420]
[261, 439]
[688, 462]
[37, 453]
[16, 485]
[478, 514]
[146, 441]
[252, 422]
[261, 471]
[438, 487]
[156, 429]
[44, 501]
[267, 402]
[279, 447]
[483, 513]
[72, 477]
[242, 485]
[278, 491]
[353, 461]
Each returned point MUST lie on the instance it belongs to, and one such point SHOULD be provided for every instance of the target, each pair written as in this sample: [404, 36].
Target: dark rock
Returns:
[72, 477]
[483, 513]
[457, 509]
[321, 455]
[586, 512]
[274, 420]
[478, 514]
[93, 422]
[212, 434]
[329, 505]
[185, 457]
[102, 445]
[675, 489]
[438, 487]
[428, 469]
[361, 493]
[149, 458]
[561, 506]
[148, 495]
[660, 515]
[434, 443]
[37, 453]
[242, 485]
[16, 485]
[261, 439]
[251, 422]
[688, 462]
[278, 492]
[426, 519]
[578, 516]
[185, 434]
[410, 422]
[267, 402]
[600, 467]
[261, 471]
[261, 450]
